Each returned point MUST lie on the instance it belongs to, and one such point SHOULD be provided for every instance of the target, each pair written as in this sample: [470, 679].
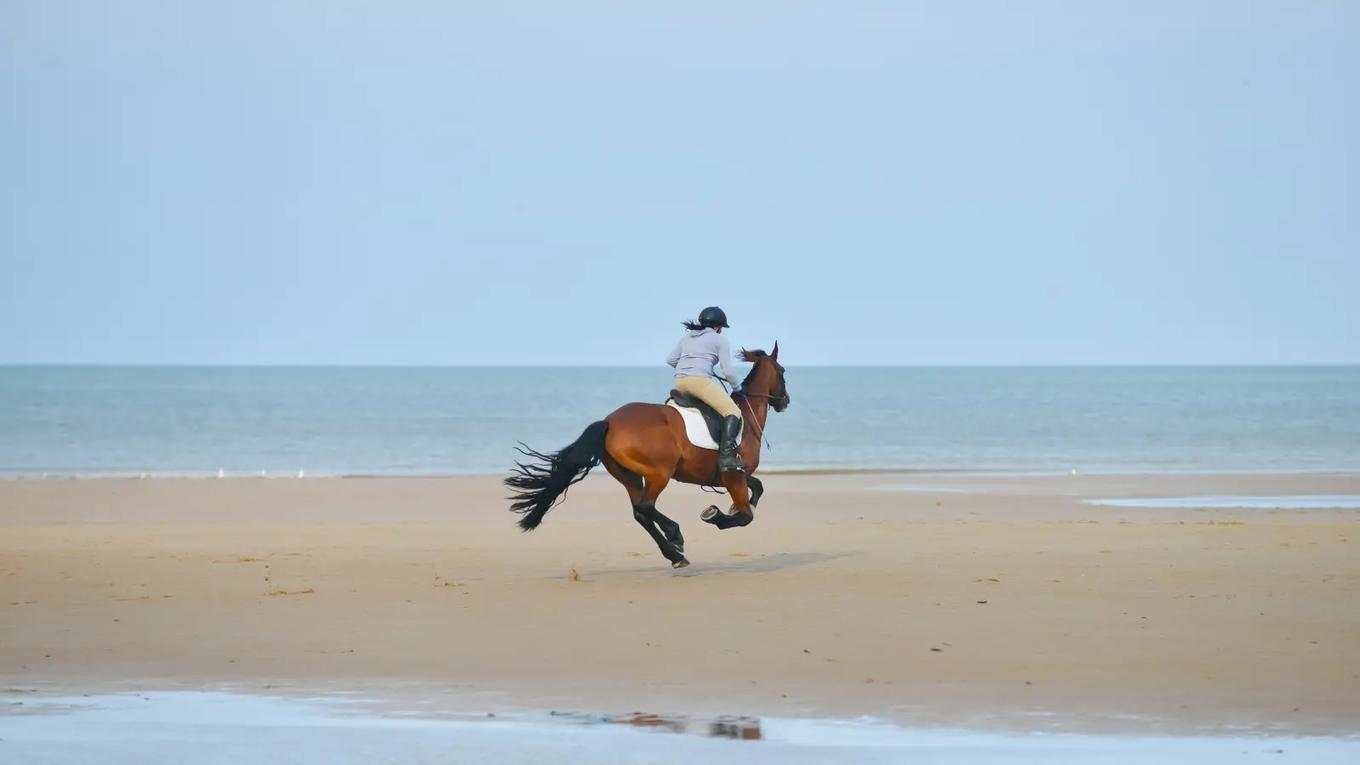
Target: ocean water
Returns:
[397, 421]
[1218, 502]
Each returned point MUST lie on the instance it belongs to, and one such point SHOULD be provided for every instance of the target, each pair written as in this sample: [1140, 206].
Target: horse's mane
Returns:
[753, 357]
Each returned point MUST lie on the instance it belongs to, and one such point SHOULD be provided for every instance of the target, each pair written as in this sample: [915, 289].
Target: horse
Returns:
[644, 447]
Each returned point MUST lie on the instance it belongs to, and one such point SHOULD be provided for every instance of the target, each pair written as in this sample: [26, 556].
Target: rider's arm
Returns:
[725, 360]
[674, 358]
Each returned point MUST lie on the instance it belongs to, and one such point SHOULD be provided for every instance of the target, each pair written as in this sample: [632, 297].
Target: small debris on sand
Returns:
[573, 575]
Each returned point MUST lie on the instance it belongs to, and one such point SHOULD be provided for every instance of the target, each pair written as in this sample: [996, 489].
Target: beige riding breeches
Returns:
[707, 390]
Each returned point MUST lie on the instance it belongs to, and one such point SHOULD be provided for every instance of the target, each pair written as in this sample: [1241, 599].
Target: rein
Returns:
[755, 424]
[770, 396]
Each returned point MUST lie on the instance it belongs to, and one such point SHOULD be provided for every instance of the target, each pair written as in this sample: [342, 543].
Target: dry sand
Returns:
[969, 600]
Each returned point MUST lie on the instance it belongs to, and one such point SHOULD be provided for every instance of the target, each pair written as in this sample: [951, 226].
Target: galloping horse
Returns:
[644, 446]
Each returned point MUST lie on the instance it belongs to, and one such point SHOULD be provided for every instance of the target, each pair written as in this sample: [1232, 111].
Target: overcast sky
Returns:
[869, 183]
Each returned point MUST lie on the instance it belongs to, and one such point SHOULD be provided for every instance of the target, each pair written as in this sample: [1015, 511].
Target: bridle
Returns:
[778, 402]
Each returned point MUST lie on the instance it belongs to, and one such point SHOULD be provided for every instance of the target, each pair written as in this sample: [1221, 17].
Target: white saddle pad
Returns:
[695, 427]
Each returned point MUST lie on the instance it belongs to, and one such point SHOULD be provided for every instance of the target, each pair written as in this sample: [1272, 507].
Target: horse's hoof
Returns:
[720, 519]
[679, 563]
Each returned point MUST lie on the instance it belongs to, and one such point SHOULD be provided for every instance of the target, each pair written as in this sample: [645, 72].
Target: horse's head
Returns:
[766, 377]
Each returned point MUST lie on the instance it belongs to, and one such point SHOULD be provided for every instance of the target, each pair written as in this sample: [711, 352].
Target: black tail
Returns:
[540, 486]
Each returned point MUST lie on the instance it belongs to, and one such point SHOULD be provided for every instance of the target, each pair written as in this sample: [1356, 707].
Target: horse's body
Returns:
[645, 447]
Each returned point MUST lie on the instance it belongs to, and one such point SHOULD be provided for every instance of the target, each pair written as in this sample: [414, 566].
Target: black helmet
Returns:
[712, 316]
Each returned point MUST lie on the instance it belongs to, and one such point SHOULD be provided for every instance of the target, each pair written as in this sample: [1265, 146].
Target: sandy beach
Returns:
[924, 599]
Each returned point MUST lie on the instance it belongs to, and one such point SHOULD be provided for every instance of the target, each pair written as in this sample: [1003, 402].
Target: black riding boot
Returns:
[728, 458]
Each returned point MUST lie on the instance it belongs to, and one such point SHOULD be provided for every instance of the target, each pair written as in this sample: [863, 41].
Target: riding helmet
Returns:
[713, 316]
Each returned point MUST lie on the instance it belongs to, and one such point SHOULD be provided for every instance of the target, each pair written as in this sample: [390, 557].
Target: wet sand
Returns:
[923, 599]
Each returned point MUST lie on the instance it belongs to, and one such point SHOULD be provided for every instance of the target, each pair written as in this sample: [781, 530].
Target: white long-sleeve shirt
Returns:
[699, 351]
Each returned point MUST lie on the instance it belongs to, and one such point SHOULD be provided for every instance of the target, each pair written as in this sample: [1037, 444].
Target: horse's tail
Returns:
[541, 485]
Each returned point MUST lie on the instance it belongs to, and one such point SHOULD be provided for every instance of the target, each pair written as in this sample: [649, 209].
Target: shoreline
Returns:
[1000, 599]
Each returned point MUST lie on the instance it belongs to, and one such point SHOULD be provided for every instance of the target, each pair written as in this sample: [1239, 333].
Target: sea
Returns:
[153, 421]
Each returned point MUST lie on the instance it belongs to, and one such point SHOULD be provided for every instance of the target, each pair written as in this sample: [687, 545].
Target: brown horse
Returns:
[644, 447]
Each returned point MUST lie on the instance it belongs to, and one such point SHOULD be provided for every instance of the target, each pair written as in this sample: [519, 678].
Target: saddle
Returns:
[711, 417]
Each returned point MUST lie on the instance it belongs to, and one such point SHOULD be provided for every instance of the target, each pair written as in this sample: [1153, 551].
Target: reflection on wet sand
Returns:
[738, 727]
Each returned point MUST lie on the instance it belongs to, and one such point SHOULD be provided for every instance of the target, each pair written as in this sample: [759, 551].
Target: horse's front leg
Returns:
[735, 482]
[757, 489]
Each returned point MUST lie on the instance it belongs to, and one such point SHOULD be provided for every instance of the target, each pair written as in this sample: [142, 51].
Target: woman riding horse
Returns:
[694, 358]
[645, 446]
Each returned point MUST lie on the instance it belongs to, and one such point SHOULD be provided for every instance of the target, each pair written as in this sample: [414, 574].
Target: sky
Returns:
[869, 183]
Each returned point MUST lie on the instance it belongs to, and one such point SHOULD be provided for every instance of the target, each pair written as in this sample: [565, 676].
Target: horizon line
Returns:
[971, 365]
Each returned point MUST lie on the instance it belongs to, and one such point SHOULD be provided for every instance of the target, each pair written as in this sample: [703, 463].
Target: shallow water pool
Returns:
[220, 727]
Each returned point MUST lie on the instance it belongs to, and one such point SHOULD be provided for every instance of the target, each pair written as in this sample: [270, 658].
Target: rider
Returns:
[694, 358]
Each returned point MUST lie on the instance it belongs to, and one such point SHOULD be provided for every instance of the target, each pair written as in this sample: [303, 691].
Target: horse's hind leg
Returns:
[667, 531]
[630, 480]
[669, 528]
[633, 483]
[645, 516]
[643, 496]
[646, 503]
[656, 483]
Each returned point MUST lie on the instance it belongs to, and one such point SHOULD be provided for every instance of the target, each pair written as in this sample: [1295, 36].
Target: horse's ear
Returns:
[774, 354]
[748, 356]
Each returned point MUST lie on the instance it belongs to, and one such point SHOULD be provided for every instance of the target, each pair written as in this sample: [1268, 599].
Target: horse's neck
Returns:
[757, 405]
[761, 408]
[755, 424]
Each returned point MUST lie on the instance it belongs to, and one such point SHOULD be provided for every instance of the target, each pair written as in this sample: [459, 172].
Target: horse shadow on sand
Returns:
[756, 564]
